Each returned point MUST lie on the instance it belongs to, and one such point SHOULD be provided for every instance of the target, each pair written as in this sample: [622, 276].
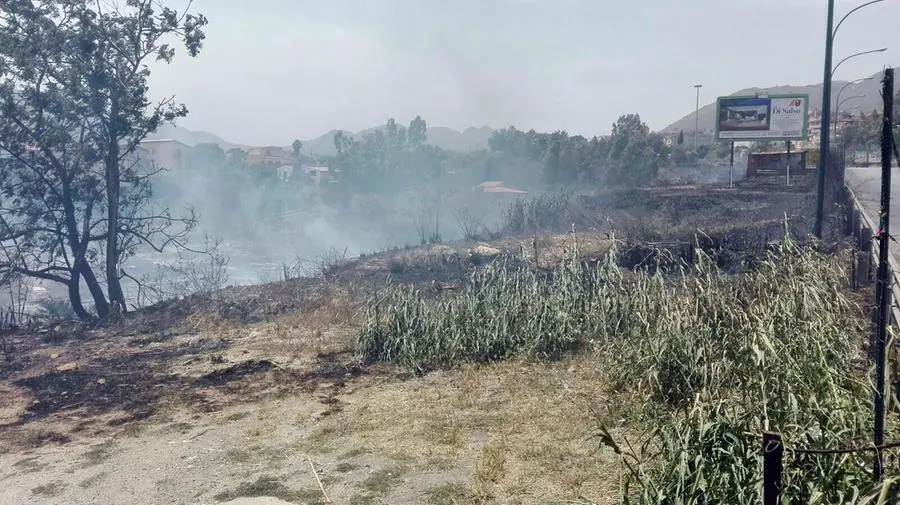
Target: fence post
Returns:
[773, 455]
[864, 272]
[884, 281]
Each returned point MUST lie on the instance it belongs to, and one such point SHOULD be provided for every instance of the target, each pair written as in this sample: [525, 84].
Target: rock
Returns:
[482, 253]
[67, 367]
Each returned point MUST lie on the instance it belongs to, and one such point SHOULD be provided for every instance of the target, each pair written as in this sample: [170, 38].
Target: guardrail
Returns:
[863, 230]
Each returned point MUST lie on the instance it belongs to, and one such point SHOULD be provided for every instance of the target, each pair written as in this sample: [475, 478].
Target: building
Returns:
[317, 174]
[269, 155]
[165, 153]
[284, 172]
[498, 187]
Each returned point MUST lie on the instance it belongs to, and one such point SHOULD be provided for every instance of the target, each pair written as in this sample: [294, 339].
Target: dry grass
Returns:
[514, 432]
[50, 489]
[270, 486]
[99, 453]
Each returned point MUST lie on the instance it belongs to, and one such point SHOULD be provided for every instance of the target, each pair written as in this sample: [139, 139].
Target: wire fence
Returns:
[773, 462]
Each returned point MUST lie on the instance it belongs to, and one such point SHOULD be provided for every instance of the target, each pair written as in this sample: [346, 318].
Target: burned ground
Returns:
[215, 360]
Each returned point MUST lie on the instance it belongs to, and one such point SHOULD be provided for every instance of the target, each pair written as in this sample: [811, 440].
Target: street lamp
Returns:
[838, 99]
[881, 50]
[697, 115]
[830, 32]
[837, 110]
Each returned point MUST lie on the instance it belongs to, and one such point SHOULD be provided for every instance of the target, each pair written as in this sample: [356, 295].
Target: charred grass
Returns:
[514, 358]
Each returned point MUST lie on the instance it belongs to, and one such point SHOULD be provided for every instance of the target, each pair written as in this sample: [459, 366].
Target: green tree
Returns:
[237, 156]
[680, 140]
[206, 155]
[126, 40]
[296, 145]
[635, 154]
[75, 108]
[896, 119]
[417, 132]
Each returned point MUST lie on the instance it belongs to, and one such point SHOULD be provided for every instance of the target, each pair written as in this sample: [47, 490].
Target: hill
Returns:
[191, 137]
[470, 139]
[869, 92]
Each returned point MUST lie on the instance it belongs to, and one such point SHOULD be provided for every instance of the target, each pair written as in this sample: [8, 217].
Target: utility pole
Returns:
[825, 124]
[883, 285]
[697, 115]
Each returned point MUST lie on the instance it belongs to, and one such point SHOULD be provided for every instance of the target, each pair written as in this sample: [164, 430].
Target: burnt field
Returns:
[269, 372]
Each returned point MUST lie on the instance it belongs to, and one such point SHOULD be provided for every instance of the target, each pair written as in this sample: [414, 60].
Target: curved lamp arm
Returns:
[834, 68]
[858, 7]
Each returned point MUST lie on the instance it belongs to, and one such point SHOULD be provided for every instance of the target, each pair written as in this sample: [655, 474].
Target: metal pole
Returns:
[884, 282]
[826, 123]
[773, 454]
[731, 174]
[787, 177]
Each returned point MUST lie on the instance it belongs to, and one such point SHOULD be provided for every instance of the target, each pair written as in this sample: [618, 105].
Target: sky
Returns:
[274, 70]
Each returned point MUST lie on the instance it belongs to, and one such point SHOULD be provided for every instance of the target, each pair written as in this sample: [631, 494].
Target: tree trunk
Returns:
[75, 296]
[113, 284]
[78, 242]
[96, 291]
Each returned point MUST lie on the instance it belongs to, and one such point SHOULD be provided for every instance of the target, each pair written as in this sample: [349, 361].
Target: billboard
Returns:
[764, 117]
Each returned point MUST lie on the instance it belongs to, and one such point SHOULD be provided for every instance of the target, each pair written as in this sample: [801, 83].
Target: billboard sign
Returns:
[764, 117]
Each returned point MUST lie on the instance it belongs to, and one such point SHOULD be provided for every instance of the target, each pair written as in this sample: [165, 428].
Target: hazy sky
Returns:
[275, 70]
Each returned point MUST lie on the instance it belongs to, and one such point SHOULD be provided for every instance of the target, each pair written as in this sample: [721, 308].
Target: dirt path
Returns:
[511, 433]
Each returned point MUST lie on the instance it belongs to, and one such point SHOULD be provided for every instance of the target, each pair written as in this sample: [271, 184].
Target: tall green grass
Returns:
[714, 359]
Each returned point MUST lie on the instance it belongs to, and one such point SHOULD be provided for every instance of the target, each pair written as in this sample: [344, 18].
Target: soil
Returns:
[255, 392]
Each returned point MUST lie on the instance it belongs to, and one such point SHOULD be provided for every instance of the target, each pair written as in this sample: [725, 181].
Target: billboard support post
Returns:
[731, 173]
[787, 177]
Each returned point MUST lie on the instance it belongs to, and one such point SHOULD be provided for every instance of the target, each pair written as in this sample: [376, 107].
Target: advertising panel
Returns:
[772, 117]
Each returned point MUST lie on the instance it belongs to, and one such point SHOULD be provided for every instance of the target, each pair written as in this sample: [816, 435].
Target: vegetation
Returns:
[720, 358]
[74, 108]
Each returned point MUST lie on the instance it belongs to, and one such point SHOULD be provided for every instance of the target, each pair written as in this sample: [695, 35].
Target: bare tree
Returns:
[470, 225]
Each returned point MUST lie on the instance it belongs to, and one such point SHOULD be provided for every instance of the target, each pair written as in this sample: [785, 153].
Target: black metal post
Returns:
[884, 282]
[731, 173]
[773, 454]
[826, 123]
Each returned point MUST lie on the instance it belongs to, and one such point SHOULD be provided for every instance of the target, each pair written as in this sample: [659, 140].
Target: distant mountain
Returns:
[322, 145]
[191, 137]
[470, 139]
[868, 92]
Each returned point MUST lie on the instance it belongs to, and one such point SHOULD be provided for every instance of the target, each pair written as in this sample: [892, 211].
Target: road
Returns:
[866, 184]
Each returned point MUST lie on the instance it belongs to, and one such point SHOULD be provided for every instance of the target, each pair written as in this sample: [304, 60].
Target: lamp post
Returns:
[697, 115]
[830, 32]
[838, 99]
[837, 110]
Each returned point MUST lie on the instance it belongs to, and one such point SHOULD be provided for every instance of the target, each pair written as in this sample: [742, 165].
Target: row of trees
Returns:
[395, 157]
[630, 155]
[389, 159]
[74, 201]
